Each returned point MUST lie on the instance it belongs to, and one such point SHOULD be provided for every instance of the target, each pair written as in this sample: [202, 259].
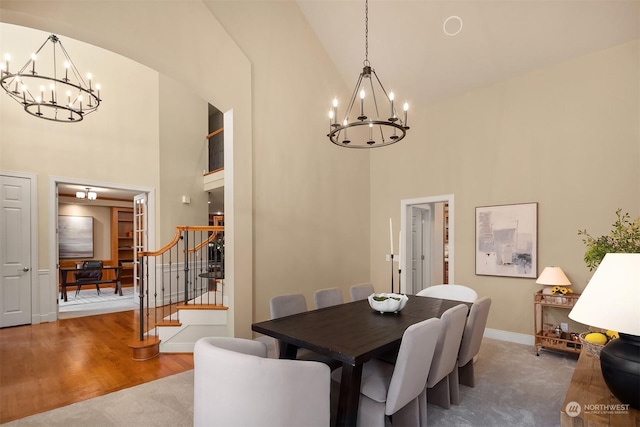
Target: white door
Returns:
[420, 245]
[15, 250]
[140, 236]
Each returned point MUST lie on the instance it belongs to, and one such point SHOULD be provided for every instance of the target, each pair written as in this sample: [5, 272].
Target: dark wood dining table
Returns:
[352, 334]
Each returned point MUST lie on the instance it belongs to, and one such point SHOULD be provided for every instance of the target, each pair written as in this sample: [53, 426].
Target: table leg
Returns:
[63, 291]
[349, 398]
[118, 282]
[287, 351]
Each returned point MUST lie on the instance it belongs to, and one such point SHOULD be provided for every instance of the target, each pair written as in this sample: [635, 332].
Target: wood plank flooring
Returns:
[54, 364]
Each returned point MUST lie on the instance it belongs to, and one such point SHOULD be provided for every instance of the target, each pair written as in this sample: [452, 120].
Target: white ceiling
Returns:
[499, 40]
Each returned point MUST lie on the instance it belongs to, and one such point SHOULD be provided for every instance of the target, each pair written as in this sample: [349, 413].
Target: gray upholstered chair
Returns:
[393, 390]
[361, 291]
[327, 297]
[444, 359]
[469, 347]
[452, 292]
[236, 385]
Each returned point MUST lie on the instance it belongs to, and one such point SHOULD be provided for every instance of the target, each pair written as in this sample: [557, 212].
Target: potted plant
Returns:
[624, 238]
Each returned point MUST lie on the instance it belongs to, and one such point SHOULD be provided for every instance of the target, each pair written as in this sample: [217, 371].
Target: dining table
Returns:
[352, 334]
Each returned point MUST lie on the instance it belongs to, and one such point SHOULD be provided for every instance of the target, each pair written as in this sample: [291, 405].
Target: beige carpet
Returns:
[514, 388]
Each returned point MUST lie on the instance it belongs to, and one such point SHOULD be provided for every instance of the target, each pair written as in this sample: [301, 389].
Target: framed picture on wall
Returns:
[507, 240]
[75, 236]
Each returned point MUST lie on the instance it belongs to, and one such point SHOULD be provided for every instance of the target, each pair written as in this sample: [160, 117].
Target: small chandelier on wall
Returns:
[59, 93]
[366, 126]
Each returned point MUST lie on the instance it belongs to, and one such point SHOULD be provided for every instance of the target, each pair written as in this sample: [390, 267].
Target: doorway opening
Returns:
[113, 214]
[427, 229]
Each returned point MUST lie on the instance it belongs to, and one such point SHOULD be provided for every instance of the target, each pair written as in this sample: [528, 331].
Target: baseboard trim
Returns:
[513, 337]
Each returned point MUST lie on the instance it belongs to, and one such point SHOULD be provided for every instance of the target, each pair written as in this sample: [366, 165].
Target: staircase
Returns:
[182, 296]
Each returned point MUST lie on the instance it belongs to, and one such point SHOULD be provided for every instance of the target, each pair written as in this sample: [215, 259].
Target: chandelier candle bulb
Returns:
[66, 71]
[33, 63]
[406, 108]
[393, 113]
[335, 110]
[362, 116]
[24, 95]
[7, 58]
[98, 86]
[52, 87]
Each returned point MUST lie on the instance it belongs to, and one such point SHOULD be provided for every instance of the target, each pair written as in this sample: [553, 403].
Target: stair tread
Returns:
[202, 307]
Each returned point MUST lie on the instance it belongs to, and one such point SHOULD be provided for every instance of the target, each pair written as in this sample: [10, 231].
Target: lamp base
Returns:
[620, 363]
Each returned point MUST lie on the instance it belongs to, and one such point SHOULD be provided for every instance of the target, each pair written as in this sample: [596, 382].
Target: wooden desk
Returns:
[351, 333]
[64, 283]
[588, 389]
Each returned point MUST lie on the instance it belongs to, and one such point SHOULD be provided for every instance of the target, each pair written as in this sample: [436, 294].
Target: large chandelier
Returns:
[368, 127]
[62, 95]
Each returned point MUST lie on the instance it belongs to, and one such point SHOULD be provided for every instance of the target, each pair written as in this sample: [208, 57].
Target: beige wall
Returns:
[180, 40]
[311, 199]
[566, 137]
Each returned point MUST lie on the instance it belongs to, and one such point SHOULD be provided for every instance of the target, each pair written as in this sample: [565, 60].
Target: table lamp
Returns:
[611, 301]
[552, 276]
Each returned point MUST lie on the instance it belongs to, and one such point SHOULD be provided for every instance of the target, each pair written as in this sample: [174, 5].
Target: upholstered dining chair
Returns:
[327, 297]
[361, 291]
[452, 292]
[393, 390]
[236, 385]
[444, 360]
[469, 347]
[288, 305]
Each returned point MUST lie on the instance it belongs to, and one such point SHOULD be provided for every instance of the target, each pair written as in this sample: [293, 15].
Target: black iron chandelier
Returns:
[61, 96]
[369, 127]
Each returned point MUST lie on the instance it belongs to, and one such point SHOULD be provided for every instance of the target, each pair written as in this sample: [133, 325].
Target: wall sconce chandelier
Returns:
[61, 96]
[365, 130]
[90, 195]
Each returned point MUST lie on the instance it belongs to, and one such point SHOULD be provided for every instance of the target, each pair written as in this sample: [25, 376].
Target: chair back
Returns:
[287, 305]
[235, 385]
[361, 291]
[474, 330]
[327, 297]
[452, 292]
[89, 274]
[445, 357]
[409, 374]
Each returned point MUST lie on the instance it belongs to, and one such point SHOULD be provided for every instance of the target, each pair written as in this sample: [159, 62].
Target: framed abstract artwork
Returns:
[75, 236]
[507, 240]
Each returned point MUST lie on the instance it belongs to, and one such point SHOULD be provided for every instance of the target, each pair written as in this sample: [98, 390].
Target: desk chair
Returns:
[89, 276]
[235, 384]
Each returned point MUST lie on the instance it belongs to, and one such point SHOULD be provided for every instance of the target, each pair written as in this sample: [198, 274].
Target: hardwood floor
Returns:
[54, 364]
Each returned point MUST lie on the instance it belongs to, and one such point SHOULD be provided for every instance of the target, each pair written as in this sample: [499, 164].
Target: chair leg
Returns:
[98, 288]
[408, 415]
[439, 394]
[454, 388]
[465, 375]
[422, 408]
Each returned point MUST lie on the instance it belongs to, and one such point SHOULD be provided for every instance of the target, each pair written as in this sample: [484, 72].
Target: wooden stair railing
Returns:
[182, 274]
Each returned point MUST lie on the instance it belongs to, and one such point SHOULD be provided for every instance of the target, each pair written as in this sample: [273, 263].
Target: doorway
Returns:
[427, 235]
[109, 197]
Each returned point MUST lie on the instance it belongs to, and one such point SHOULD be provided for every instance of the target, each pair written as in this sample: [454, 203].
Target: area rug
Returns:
[88, 302]
[514, 388]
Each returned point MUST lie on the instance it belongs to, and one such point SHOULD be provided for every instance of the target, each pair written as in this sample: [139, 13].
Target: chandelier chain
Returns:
[366, 32]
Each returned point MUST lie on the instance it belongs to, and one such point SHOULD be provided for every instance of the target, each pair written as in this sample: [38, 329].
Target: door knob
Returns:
[25, 269]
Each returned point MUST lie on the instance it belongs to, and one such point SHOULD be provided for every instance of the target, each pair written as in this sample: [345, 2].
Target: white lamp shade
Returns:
[611, 299]
[553, 276]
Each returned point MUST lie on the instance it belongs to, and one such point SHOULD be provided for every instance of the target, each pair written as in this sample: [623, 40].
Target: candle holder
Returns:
[391, 273]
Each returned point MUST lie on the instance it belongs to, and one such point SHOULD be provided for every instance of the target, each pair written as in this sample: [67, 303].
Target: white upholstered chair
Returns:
[444, 360]
[469, 347]
[452, 292]
[393, 390]
[361, 291]
[327, 297]
[236, 385]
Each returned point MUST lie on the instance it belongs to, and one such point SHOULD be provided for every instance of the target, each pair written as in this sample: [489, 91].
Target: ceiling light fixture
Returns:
[90, 195]
[368, 128]
[51, 97]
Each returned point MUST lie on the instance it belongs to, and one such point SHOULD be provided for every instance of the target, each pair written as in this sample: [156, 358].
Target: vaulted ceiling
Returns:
[499, 39]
